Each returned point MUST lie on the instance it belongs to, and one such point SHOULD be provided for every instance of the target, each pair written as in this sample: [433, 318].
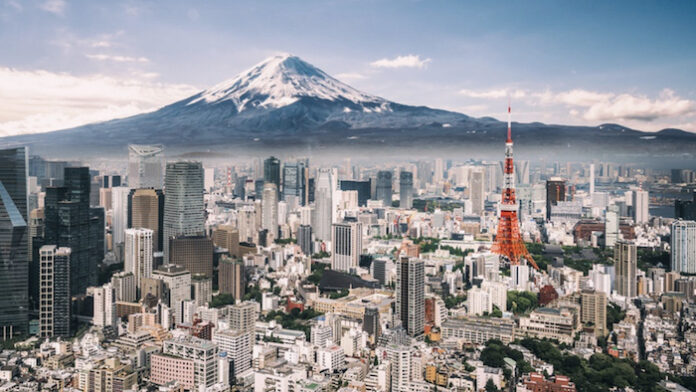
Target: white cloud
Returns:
[597, 106]
[116, 58]
[40, 101]
[53, 6]
[493, 93]
[409, 61]
[640, 107]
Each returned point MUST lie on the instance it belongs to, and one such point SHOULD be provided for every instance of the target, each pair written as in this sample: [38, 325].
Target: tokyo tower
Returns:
[508, 242]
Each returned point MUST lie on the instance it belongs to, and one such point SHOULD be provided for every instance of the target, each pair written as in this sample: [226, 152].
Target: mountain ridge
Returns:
[286, 102]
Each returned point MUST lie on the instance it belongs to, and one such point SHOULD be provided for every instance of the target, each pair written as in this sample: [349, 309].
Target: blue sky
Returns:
[64, 63]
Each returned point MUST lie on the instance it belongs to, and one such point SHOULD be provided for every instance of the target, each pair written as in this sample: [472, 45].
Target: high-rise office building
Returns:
[346, 245]
[611, 226]
[242, 316]
[269, 214]
[438, 171]
[54, 309]
[323, 211]
[138, 254]
[593, 310]
[683, 246]
[295, 181]
[236, 347]
[362, 187]
[383, 191]
[184, 207]
[232, 279]
[625, 259]
[146, 211]
[685, 209]
[14, 243]
[71, 223]
[195, 254]
[104, 306]
[379, 271]
[202, 288]
[410, 294]
[641, 204]
[177, 283]
[522, 172]
[271, 171]
[227, 237]
[400, 360]
[555, 192]
[592, 178]
[304, 239]
[371, 322]
[145, 166]
[477, 193]
[119, 213]
[406, 190]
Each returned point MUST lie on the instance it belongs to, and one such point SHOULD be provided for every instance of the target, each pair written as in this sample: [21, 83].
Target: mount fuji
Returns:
[285, 102]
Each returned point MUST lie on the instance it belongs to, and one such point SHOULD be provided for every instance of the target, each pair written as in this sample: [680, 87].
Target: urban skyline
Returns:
[310, 226]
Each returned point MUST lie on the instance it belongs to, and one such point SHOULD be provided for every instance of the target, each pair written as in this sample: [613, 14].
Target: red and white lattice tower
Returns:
[508, 242]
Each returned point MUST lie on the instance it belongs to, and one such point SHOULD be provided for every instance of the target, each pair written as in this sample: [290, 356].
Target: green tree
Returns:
[490, 386]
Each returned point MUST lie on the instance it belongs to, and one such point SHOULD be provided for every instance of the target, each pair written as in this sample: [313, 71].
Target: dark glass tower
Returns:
[363, 188]
[271, 171]
[406, 190]
[14, 245]
[384, 187]
[70, 222]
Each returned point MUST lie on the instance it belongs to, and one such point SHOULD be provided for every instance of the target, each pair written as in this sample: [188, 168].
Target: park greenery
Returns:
[452, 301]
[495, 353]
[296, 320]
[600, 373]
[520, 302]
[220, 300]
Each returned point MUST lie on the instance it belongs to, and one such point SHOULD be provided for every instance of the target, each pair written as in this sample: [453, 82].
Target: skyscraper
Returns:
[383, 190]
[611, 225]
[363, 188]
[232, 278]
[227, 237]
[323, 211]
[138, 254]
[304, 239]
[683, 246]
[195, 253]
[294, 181]
[269, 212]
[184, 208]
[594, 310]
[271, 171]
[477, 191]
[71, 223]
[146, 211]
[555, 192]
[54, 308]
[145, 166]
[640, 206]
[14, 243]
[625, 259]
[406, 190]
[119, 213]
[410, 294]
[346, 245]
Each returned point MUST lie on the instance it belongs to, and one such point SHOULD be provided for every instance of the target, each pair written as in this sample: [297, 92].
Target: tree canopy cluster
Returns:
[600, 373]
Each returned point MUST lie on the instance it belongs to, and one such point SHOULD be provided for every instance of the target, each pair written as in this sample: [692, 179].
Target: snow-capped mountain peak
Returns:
[281, 81]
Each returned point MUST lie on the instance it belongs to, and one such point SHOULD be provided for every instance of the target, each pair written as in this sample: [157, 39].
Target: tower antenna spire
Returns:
[508, 242]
